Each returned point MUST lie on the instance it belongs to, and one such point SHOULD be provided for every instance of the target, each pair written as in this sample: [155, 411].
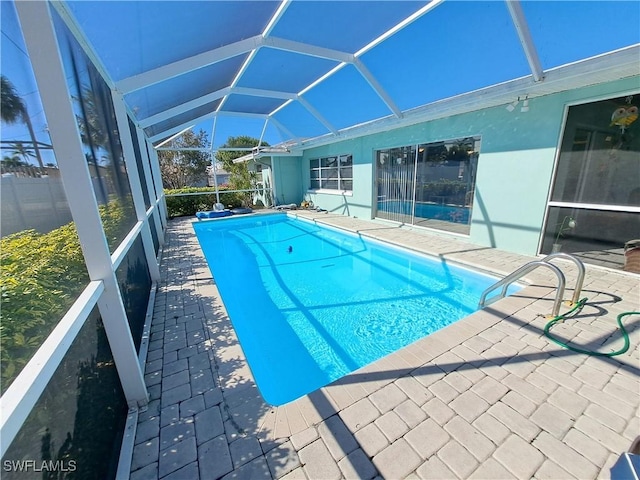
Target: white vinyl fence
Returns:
[32, 203]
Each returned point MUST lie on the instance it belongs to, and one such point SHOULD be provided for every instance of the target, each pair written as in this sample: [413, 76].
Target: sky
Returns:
[457, 47]
[15, 65]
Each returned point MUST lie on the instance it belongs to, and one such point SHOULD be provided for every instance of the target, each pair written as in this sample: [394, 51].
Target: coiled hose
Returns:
[574, 311]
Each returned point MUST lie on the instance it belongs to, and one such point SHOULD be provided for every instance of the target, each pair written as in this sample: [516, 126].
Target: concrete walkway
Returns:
[488, 397]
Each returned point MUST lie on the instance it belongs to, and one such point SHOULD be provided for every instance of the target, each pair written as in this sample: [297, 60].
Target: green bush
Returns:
[190, 204]
[41, 275]
[40, 278]
[118, 218]
[444, 187]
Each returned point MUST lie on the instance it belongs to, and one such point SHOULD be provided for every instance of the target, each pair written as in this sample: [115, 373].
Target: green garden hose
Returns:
[576, 309]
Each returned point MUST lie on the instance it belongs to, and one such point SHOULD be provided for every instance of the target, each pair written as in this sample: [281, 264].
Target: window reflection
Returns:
[100, 138]
[598, 161]
[428, 184]
[78, 421]
[331, 173]
[135, 284]
[597, 182]
[139, 164]
[598, 237]
[42, 267]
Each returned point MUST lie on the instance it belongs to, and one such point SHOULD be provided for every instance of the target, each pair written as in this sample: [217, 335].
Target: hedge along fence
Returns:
[184, 205]
[41, 275]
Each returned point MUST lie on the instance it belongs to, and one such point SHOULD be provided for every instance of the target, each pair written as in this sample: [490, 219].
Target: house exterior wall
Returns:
[287, 180]
[264, 177]
[357, 203]
[515, 166]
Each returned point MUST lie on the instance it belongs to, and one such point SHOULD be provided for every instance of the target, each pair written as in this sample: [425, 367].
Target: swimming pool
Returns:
[311, 304]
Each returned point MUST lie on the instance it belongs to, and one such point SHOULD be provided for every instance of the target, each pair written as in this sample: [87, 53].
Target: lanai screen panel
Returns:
[566, 32]
[231, 125]
[455, 48]
[184, 88]
[284, 71]
[182, 119]
[300, 122]
[346, 26]
[347, 99]
[250, 104]
[450, 48]
[135, 37]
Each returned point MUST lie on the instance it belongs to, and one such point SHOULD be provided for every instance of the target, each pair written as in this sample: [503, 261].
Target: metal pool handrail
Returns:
[581, 272]
[519, 273]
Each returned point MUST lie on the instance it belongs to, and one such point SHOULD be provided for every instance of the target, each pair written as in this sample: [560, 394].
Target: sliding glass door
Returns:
[429, 185]
[395, 183]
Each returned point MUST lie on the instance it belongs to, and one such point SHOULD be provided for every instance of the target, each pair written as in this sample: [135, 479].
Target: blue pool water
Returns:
[312, 304]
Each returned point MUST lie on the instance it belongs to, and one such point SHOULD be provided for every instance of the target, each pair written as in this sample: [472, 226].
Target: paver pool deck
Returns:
[488, 397]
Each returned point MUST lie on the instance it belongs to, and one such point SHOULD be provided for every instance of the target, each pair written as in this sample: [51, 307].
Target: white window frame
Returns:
[322, 188]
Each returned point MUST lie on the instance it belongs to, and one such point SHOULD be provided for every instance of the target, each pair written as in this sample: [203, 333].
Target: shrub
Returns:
[190, 204]
[444, 187]
[118, 218]
[41, 275]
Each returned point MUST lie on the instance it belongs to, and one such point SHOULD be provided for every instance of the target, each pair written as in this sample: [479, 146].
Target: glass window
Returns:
[594, 209]
[598, 161]
[152, 182]
[135, 284]
[100, 138]
[139, 164]
[331, 173]
[429, 184]
[78, 421]
[154, 234]
[42, 269]
[329, 162]
[595, 236]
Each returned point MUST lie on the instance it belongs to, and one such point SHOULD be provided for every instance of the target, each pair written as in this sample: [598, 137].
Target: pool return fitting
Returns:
[576, 302]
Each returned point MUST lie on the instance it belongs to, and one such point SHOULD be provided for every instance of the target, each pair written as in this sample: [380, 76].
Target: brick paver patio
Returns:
[488, 397]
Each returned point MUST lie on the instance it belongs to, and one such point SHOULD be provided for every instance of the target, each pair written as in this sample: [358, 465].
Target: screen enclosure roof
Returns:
[299, 72]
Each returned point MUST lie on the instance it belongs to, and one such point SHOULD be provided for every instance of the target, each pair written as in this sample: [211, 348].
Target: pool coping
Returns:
[296, 426]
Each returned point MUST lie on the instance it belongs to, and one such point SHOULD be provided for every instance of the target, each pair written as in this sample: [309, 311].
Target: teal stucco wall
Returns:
[515, 165]
[287, 180]
[355, 204]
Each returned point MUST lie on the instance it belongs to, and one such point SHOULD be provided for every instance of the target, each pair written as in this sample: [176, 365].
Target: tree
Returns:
[13, 109]
[98, 128]
[185, 168]
[13, 161]
[22, 150]
[241, 177]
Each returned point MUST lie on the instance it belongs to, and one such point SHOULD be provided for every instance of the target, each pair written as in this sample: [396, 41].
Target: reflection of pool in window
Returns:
[446, 213]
